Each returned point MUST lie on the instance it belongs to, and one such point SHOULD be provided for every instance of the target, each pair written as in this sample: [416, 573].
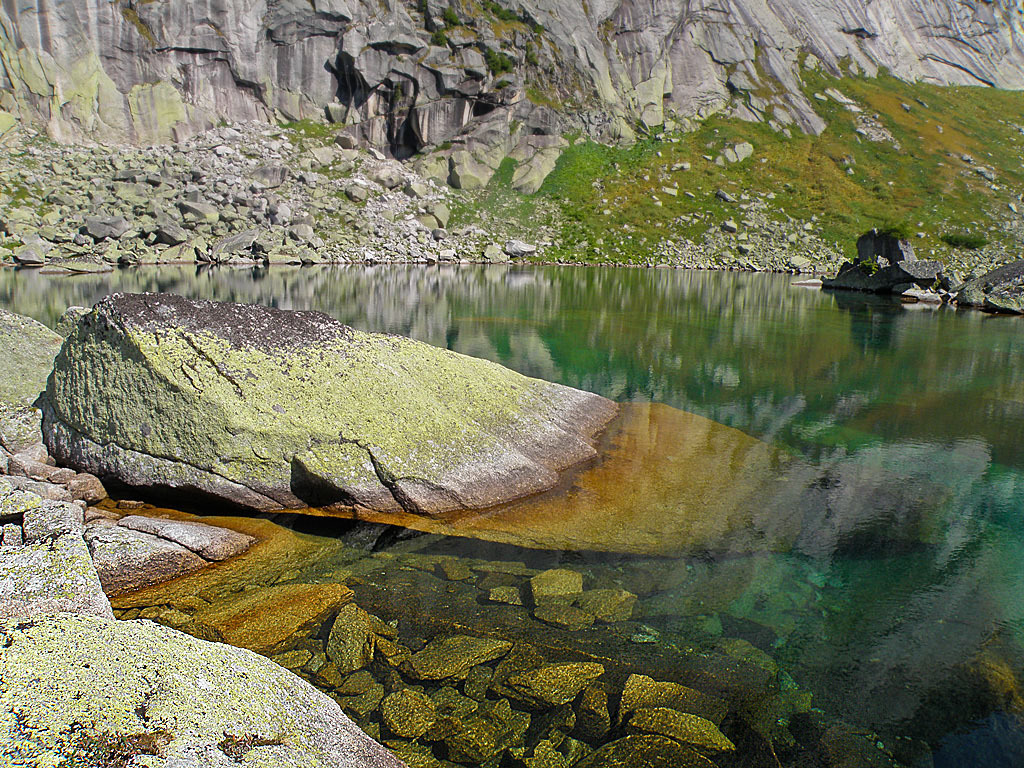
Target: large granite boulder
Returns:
[1001, 290]
[85, 685]
[27, 349]
[270, 409]
[885, 263]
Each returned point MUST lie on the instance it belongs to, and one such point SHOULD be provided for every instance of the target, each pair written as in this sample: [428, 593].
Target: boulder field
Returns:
[270, 409]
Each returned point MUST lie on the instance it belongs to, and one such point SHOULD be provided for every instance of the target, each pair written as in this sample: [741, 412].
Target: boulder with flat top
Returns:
[270, 409]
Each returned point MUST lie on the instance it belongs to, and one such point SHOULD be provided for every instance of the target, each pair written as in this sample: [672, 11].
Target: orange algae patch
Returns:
[667, 482]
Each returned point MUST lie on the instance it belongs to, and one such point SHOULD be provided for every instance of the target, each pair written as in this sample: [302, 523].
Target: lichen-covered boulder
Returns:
[27, 349]
[272, 409]
[83, 686]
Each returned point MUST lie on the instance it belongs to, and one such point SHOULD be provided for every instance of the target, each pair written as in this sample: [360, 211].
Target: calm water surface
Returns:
[899, 601]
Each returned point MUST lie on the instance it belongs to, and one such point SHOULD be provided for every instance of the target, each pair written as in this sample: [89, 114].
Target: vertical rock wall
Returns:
[414, 75]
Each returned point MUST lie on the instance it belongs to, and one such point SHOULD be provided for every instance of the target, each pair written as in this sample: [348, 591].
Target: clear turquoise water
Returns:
[908, 574]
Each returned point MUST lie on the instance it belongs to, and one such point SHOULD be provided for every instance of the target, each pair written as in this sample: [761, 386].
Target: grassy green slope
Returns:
[607, 203]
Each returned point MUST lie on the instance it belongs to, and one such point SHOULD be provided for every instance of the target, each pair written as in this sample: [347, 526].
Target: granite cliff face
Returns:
[410, 76]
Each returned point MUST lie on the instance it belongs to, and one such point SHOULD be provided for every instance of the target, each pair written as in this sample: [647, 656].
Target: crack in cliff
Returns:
[961, 67]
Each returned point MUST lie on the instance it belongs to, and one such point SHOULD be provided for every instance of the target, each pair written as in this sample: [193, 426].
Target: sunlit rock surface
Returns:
[269, 409]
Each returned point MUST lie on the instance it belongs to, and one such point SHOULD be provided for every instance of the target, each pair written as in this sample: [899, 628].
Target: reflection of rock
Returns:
[271, 409]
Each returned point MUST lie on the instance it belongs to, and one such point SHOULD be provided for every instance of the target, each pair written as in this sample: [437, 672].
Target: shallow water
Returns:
[863, 525]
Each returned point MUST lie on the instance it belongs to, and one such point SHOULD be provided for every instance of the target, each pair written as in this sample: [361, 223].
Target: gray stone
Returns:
[200, 210]
[386, 176]
[1001, 289]
[357, 193]
[517, 249]
[86, 487]
[170, 233]
[105, 228]
[127, 560]
[208, 541]
[30, 255]
[271, 175]
[234, 245]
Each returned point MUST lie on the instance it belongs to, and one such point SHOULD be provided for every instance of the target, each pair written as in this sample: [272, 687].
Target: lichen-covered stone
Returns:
[27, 349]
[272, 409]
[693, 730]
[642, 691]
[75, 681]
[54, 576]
[553, 684]
[455, 656]
[127, 559]
[408, 713]
[351, 642]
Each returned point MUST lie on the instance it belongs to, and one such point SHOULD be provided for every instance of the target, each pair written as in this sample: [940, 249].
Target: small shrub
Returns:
[500, 13]
[531, 55]
[450, 17]
[901, 230]
[966, 240]
[497, 62]
[438, 37]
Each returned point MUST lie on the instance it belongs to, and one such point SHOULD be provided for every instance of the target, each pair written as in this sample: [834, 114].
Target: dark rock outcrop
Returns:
[271, 409]
[1001, 290]
[885, 263]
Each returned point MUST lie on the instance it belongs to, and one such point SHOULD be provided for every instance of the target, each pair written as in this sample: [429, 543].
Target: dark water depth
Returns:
[899, 602]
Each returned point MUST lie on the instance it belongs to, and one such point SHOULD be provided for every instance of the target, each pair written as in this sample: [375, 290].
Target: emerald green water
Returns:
[901, 602]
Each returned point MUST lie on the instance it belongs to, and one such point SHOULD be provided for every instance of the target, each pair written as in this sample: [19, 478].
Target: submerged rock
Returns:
[271, 409]
[77, 684]
[455, 656]
[693, 730]
[645, 752]
[553, 684]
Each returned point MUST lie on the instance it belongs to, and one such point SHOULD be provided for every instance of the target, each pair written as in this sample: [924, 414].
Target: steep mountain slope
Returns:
[412, 76]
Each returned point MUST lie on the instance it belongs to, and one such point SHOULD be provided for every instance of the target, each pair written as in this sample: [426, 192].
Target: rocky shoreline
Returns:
[252, 194]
